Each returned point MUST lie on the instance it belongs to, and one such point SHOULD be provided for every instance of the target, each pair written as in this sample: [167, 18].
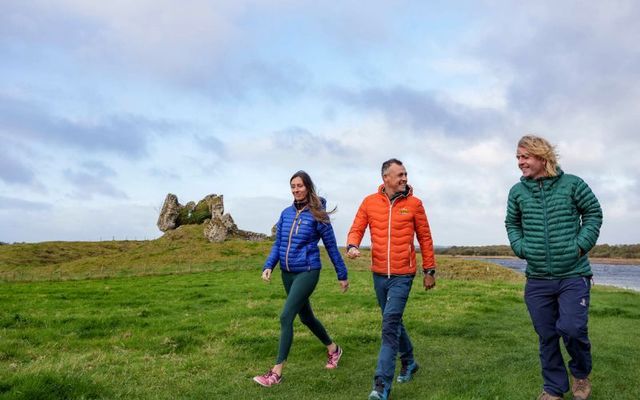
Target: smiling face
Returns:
[298, 189]
[395, 180]
[532, 167]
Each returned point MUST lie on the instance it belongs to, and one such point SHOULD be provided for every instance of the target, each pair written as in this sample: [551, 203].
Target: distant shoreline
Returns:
[594, 260]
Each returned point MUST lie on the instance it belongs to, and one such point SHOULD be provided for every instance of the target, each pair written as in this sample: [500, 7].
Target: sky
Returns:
[106, 107]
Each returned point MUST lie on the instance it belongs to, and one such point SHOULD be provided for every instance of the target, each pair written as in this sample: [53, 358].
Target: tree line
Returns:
[600, 250]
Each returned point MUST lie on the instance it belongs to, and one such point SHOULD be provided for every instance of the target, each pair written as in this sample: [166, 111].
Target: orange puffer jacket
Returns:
[393, 226]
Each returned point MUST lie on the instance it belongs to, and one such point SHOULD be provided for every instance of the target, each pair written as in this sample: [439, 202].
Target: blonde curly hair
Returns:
[542, 149]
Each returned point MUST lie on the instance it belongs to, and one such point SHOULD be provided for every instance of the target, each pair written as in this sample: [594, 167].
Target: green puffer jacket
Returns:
[551, 221]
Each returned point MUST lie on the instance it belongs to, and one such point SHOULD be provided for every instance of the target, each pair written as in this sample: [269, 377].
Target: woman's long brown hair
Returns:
[314, 201]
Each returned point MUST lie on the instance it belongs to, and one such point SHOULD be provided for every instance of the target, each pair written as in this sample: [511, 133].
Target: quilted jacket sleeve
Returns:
[423, 232]
[359, 226]
[513, 223]
[330, 244]
[591, 213]
[274, 256]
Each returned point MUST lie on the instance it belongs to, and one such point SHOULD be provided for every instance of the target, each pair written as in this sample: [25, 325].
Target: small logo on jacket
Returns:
[403, 211]
[583, 302]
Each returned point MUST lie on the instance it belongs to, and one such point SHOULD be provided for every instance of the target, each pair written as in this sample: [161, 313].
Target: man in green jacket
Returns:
[553, 220]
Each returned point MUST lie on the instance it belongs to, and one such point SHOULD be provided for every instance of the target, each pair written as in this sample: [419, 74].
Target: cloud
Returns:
[237, 95]
[211, 144]
[93, 182]
[69, 222]
[15, 204]
[98, 168]
[14, 171]
[164, 174]
[573, 57]
[29, 121]
[118, 33]
[301, 141]
[422, 110]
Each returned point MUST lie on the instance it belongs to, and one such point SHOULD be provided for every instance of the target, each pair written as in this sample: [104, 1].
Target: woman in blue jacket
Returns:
[299, 229]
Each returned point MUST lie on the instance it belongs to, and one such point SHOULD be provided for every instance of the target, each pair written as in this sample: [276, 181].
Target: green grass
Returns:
[180, 251]
[179, 317]
[204, 335]
[184, 250]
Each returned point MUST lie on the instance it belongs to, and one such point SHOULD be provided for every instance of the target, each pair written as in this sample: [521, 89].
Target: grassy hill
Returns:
[183, 250]
[180, 251]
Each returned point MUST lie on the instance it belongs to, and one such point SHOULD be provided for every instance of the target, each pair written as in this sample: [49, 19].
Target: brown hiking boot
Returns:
[547, 396]
[581, 388]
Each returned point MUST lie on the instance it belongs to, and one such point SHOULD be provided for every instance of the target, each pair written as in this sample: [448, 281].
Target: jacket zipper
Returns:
[546, 228]
[298, 227]
[286, 256]
[389, 238]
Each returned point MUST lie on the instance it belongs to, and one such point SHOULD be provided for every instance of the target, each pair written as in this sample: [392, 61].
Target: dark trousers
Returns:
[392, 294]
[560, 308]
[299, 287]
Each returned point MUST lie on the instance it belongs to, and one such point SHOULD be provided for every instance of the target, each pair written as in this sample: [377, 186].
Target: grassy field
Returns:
[150, 331]
[184, 250]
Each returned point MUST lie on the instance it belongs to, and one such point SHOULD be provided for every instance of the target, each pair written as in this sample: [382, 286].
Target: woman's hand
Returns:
[344, 285]
[266, 275]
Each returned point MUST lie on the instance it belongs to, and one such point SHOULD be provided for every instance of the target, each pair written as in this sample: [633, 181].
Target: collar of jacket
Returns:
[547, 181]
[300, 205]
[408, 192]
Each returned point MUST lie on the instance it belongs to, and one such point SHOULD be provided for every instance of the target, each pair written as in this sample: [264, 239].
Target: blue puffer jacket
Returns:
[296, 244]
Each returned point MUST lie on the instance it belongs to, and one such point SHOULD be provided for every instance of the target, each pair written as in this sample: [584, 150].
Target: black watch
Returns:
[431, 271]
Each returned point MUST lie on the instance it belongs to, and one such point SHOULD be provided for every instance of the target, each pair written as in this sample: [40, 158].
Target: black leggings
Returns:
[299, 287]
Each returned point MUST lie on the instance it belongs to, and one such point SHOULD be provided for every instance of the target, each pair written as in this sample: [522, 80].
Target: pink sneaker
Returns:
[269, 379]
[333, 358]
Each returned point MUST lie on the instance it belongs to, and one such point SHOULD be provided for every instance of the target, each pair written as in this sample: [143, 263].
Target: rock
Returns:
[215, 231]
[169, 213]
[251, 236]
[216, 205]
[217, 226]
[190, 207]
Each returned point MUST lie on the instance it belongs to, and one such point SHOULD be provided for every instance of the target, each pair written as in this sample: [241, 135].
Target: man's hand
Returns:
[429, 281]
[266, 275]
[353, 252]
[344, 285]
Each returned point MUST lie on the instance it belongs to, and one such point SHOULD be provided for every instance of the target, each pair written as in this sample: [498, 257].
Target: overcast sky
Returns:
[107, 106]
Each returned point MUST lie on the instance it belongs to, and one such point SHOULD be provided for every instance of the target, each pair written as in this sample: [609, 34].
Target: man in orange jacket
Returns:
[394, 217]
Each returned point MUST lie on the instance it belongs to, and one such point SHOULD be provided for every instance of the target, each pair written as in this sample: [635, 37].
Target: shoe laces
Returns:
[333, 357]
[271, 376]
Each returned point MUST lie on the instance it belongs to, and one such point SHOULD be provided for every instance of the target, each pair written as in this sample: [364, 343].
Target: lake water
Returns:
[622, 276]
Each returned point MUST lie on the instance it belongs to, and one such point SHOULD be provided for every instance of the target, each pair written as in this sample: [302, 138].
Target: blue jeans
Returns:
[560, 308]
[392, 294]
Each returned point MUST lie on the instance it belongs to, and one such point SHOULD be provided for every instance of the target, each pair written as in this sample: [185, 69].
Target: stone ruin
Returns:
[209, 212]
